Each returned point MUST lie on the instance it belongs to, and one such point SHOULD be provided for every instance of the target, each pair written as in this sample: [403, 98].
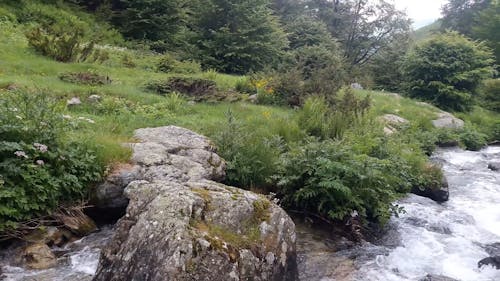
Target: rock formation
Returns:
[180, 224]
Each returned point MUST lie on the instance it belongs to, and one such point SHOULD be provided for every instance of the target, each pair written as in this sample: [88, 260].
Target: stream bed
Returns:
[430, 238]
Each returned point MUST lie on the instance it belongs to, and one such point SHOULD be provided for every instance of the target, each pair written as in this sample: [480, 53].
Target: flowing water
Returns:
[446, 239]
[441, 239]
[78, 261]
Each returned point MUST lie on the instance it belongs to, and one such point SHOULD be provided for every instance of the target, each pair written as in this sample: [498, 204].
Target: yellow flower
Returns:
[266, 114]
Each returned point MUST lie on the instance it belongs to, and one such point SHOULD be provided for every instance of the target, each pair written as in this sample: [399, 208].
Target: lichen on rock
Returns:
[180, 224]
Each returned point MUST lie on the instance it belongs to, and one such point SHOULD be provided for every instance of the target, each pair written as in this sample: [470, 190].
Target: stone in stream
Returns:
[494, 166]
[181, 224]
[38, 256]
[438, 193]
[490, 261]
[431, 277]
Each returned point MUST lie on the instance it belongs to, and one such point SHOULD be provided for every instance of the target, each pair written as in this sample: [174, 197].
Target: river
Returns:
[430, 238]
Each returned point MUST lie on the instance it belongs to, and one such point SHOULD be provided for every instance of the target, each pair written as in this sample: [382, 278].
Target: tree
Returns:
[362, 27]
[387, 65]
[461, 15]
[447, 70]
[237, 36]
[150, 19]
[487, 28]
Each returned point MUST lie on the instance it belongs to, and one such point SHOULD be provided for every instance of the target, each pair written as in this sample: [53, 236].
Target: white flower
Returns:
[40, 162]
[20, 153]
[66, 116]
[41, 147]
[19, 117]
[14, 109]
[86, 119]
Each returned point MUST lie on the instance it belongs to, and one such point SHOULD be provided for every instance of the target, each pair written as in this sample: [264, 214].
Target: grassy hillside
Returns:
[426, 31]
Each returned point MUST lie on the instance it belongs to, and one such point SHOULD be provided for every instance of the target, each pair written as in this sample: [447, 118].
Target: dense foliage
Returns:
[38, 168]
[447, 70]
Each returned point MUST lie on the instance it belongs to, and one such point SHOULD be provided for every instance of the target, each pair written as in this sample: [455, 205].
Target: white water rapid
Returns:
[446, 239]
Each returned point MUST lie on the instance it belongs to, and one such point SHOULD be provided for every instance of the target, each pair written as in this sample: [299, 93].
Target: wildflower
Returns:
[266, 114]
[20, 153]
[19, 117]
[40, 162]
[42, 147]
[66, 116]
[14, 109]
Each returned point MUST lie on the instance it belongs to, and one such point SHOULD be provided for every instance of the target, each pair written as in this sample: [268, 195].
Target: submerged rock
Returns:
[182, 225]
[495, 166]
[38, 256]
[431, 277]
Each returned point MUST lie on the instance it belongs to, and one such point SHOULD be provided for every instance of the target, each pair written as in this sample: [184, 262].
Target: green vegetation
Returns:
[328, 156]
[447, 70]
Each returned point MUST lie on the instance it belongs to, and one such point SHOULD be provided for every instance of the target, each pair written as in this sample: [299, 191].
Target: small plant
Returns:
[38, 169]
[85, 78]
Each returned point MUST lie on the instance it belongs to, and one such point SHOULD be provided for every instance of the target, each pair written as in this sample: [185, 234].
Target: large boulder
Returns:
[181, 224]
[446, 120]
[493, 261]
[392, 123]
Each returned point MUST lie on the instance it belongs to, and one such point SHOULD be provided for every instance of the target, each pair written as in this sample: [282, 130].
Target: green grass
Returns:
[23, 67]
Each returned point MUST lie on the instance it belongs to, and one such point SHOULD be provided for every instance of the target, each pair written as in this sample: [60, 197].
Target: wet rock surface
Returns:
[181, 224]
[439, 194]
[431, 277]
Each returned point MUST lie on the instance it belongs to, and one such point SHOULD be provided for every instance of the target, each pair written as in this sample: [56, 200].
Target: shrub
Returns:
[85, 78]
[194, 87]
[6, 15]
[38, 169]
[472, 139]
[332, 181]
[60, 42]
[447, 69]
[330, 119]
[168, 64]
[490, 94]
[251, 155]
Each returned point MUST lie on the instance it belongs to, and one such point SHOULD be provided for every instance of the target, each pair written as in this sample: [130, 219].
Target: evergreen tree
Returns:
[461, 15]
[237, 36]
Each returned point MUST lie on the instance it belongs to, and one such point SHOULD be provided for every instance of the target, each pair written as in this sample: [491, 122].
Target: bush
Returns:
[472, 139]
[251, 156]
[490, 94]
[6, 15]
[447, 69]
[60, 42]
[330, 119]
[333, 181]
[168, 64]
[85, 78]
[194, 87]
[38, 169]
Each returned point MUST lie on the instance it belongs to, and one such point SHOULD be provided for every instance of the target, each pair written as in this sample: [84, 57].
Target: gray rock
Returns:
[447, 121]
[38, 256]
[439, 193]
[253, 98]
[94, 98]
[356, 86]
[394, 119]
[74, 101]
[490, 261]
[494, 166]
[431, 277]
[182, 225]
